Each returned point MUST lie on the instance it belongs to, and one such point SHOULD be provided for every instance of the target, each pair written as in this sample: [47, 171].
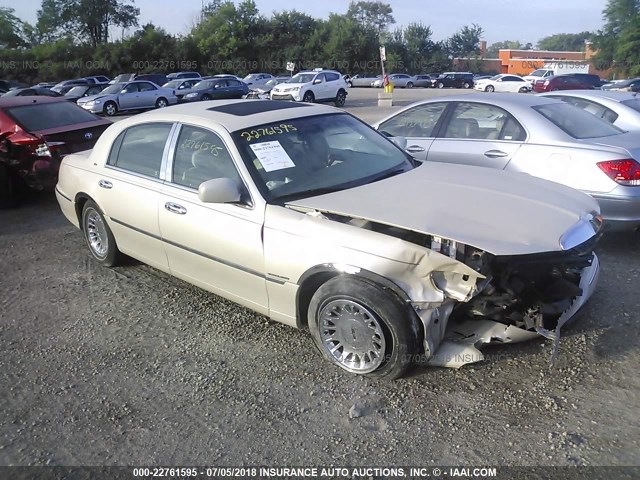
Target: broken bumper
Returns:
[463, 339]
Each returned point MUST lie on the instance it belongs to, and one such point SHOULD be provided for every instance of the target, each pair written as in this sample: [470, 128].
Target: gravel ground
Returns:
[129, 366]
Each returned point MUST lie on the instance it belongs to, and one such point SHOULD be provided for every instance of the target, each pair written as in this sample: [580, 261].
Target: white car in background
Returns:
[503, 83]
[313, 86]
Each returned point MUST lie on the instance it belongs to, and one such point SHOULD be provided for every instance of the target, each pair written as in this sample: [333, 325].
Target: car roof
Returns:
[318, 71]
[234, 114]
[18, 101]
[504, 100]
[608, 94]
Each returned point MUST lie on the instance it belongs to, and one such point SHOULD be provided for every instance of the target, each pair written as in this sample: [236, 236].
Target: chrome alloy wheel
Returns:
[96, 233]
[352, 336]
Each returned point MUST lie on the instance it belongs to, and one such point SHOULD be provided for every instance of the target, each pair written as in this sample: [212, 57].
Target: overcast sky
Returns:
[523, 20]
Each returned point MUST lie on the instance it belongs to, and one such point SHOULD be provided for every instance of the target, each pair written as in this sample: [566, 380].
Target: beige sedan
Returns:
[305, 214]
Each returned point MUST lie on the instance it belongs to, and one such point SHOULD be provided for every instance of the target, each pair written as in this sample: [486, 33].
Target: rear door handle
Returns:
[175, 208]
[415, 149]
[105, 184]
[496, 154]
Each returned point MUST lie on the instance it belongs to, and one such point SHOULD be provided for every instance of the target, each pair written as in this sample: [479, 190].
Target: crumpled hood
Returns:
[500, 212]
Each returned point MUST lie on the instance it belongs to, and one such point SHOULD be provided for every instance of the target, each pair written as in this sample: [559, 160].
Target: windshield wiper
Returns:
[308, 193]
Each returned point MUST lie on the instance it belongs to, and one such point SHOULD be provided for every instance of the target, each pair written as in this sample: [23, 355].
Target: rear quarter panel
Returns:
[572, 166]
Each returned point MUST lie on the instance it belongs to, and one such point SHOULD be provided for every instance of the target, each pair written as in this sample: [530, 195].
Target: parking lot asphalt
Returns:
[129, 366]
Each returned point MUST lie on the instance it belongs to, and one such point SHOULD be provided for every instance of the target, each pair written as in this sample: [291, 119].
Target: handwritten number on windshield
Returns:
[249, 135]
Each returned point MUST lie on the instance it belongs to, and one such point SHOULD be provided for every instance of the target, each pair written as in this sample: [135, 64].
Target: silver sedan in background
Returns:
[620, 108]
[543, 137]
[134, 95]
[399, 80]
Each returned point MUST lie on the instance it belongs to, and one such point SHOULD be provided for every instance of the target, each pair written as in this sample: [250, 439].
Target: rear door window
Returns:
[140, 149]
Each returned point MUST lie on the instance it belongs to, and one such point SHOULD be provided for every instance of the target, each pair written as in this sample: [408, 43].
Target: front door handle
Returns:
[105, 184]
[415, 149]
[495, 154]
[175, 208]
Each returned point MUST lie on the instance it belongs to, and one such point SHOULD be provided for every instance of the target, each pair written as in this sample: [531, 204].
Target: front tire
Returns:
[110, 109]
[362, 328]
[523, 90]
[440, 85]
[206, 97]
[341, 98]
[490, 89]
[308, 97]
[98, 236]
[409, 84]
[466, 85]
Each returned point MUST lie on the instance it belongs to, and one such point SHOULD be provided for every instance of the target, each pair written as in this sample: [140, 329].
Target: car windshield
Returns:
[309, 156]
[302, 78]
[577, 122]
[496, 77]
[115, 88]
[173, 84]
[44, 116]
[537, 73]
[273, 82]
[77, 91]
[251, 76]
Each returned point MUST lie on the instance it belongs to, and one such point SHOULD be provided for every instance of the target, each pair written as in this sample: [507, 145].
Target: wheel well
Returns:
[306, 291]
[313, 282]
[81, 199]
[162, 98]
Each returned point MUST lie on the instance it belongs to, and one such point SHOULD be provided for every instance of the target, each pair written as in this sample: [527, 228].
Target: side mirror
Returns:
[399, 141]
[317, 81]
[219, 190]
[124, 90]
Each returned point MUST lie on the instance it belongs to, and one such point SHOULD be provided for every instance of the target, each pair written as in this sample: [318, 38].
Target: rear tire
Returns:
[466, 85]
[409, 84]
[100, 240]
[341, 98]
[362, 328]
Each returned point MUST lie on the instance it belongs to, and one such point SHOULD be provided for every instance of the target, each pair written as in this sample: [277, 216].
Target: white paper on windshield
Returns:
[272, 156]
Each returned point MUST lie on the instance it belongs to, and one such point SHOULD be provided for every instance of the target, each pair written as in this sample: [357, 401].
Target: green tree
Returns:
[49, 26]
[614, 42]
[232, 37]
[11, 29]
[565, 42]
[377, 15]
[494, 48]
[466, 41]
[92, 19]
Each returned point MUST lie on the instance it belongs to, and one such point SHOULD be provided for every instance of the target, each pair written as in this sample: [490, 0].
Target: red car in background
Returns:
[35, 133]
[561, 82]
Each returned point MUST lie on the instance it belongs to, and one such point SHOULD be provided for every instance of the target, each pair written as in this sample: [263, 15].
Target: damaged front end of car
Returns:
[520, 297]
[469, 297]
